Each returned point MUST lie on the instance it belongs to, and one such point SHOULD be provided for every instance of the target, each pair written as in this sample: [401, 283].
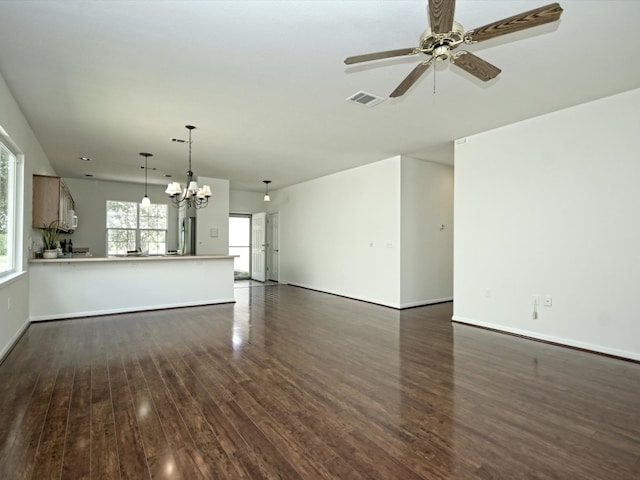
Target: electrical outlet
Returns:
[548, 301]
[487, 292]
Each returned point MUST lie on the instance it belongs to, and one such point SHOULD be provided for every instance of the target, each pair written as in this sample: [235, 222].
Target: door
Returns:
[258, 247]
[273, 246]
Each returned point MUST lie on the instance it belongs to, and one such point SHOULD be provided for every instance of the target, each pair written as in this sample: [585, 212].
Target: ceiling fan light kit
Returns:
[445, 35]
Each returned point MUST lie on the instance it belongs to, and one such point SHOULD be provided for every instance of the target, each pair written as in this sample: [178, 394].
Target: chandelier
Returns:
[192, 195]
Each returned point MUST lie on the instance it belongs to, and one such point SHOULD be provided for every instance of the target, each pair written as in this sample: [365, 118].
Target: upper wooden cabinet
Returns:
[52, 202]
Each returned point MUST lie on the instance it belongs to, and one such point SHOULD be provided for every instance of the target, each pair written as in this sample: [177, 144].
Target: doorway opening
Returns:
[240, 244]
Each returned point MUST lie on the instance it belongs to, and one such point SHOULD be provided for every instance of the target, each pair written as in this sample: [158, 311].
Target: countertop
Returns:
[130, 258]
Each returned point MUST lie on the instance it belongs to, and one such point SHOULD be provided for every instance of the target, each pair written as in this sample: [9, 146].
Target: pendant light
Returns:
[192, 195]
[267, 198]
[145, 200]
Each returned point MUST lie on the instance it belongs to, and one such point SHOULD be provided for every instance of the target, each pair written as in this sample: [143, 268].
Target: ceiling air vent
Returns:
[364, 98]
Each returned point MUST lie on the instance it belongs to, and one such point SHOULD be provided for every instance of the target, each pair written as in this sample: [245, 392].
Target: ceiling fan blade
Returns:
[410, 79]
[474, 65]
[378, 55]
[532, 18]
[441, 15]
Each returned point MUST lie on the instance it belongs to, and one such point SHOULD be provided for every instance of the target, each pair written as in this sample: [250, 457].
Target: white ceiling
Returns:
[265, 83]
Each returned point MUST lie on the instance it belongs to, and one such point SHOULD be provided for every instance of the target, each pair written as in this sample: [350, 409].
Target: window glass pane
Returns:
[7, 210]
[122, 214]
[154, 242]
[119, 241]
[153, 216]
[239, 231]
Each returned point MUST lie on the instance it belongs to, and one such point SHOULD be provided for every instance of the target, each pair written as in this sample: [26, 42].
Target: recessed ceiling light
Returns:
[85, 159]
[168, 175]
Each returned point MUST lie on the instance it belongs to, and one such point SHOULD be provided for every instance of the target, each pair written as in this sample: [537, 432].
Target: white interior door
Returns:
[258, 247]
[273, 246]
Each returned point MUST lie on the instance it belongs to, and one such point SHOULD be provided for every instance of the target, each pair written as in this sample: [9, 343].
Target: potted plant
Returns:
[50, 240]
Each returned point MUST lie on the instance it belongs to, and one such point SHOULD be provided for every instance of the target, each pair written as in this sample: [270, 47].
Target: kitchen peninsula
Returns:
[85, 286]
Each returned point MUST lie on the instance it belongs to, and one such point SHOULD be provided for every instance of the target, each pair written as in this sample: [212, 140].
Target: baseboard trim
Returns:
[549, 339]
[117, 311]
[13, 342]
[426, 302]
[342, 296]
[394, 306]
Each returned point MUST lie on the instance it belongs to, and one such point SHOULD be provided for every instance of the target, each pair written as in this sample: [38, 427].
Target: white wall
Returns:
[550, 206]
[214, 216]
[427, 250]
[246, 202]
[371, 233]
[62, 290]
[90, 197]
[341, 233]
[14, 295]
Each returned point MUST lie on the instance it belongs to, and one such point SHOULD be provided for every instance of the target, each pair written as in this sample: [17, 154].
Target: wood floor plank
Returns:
[173, 423]
[76, 463]
[274, 461]
[294, 451]
[206, 452]
[153, 436]
[131, 454]
[291, 383]
[164, 466]
[308, 428]
[105, 462]
[49, 457]
[228, 441]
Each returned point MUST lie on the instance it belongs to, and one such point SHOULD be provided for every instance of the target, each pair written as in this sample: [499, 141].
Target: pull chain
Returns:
[434, 77]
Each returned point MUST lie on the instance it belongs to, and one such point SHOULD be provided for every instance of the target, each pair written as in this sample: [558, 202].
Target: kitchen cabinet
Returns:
[52, 202]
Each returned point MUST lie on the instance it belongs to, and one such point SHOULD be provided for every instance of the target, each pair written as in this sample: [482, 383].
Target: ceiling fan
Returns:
[445, 35]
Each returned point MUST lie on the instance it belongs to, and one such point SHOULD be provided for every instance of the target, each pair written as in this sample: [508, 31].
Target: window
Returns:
[131, 226]
[8, 209]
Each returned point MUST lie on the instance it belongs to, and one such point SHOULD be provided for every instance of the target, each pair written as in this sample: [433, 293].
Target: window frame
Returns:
[15, 208]
[139, 231]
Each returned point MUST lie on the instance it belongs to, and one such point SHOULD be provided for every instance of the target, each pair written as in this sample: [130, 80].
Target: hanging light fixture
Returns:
[145, 200]
[192, 195]
[267, 198]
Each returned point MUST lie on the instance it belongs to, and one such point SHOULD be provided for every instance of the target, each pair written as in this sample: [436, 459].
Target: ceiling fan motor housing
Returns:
[439, 45]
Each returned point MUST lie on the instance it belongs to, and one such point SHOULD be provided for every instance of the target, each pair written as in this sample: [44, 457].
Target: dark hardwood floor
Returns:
[290, 383]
